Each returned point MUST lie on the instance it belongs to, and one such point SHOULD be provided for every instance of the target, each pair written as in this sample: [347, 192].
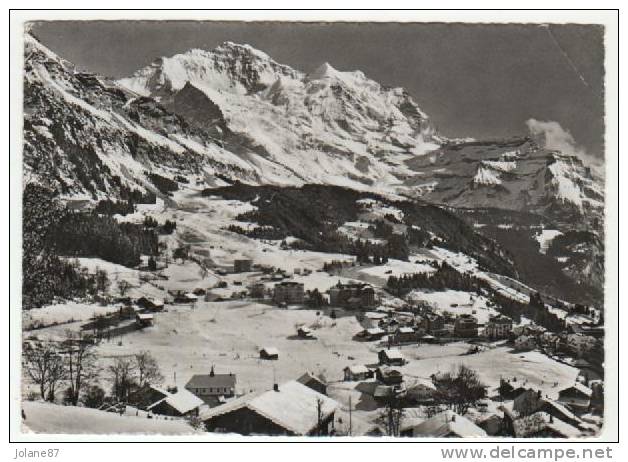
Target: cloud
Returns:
[551, 135]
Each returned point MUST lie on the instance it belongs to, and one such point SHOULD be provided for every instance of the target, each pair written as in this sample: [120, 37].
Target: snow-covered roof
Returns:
[375, 330]
[270, 350]
[294, 407]
[540, 421]
[582, 388]
[145, 316]
[375, 315]
[405, 330]
[183, 401]
[357, 369]
[448, 423]
[393, 353]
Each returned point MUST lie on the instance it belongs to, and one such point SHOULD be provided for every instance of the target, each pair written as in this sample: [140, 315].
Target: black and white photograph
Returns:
[336, 230]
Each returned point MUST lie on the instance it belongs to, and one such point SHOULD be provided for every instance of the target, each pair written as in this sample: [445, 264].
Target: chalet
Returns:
[405, 335]
[391, 357]
[270, 353]
[150, 303]
[525, 342]
[388, 376]
[257, 290]
[374, 333]
[144, 320]
[289, 292]
[212, 388]
[357, 373]
[421, 391]
[543, 425]
[315, 383]
[491, 424]
[242, 265]
[383, 393]
[182, 403]
[498, 327]
[580, 344]
[288, 409]
[446, 424]
[466, 326]
[531, 401]
[180, 296]
[353, 295]
[577, 396]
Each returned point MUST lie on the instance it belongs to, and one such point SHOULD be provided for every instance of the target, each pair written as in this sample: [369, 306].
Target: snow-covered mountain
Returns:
[326, 127]
[234, 114]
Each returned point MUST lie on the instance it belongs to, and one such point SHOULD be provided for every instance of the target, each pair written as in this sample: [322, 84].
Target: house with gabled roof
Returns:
[291, 409]
[212, 388]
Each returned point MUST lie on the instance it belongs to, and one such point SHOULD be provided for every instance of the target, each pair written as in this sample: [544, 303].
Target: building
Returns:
[144, 320]
[580, 344]
[181, 403]
[466, 326]
[257, 290]
[525, 342]
[374, 333]
[212, 388]
[445, 424]
[433, 323]
[577, 396]
[405, 335]
[391, 357]
[289, 292]
[498, 327]
[270, 353]
[421, 391]
[388, 376]
[354, 295]
[357, 372]
[150, 303]
[310, 380]
[543, 425]
[291, 409]
[242, 265]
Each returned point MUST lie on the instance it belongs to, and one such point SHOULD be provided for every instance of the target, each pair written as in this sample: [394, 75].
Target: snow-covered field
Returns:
[456, 302]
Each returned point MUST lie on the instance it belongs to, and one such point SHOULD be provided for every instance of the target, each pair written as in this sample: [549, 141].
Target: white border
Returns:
[607, 18]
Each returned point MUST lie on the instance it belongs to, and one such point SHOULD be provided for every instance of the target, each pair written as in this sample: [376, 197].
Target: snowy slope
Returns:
[54, 419]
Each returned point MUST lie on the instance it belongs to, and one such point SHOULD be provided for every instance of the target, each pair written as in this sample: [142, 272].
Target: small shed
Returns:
[144, 320]
[270, 353]
[150, 303]
[357, 372]
[391, 357]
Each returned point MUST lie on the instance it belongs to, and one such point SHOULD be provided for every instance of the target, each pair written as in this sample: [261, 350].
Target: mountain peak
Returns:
[323, 71]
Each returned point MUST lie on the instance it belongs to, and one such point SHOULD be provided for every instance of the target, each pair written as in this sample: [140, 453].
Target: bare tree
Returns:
[148, 372]
[122, 376]
[102, 280]
[79, 361]
[123, 287]
[460, 389]
[44, 365]
[391, 416]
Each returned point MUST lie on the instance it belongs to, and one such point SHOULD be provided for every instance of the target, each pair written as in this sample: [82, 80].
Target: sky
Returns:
[480, 81]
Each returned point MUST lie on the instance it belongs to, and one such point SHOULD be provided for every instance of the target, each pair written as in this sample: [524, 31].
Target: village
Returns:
[247, 347]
